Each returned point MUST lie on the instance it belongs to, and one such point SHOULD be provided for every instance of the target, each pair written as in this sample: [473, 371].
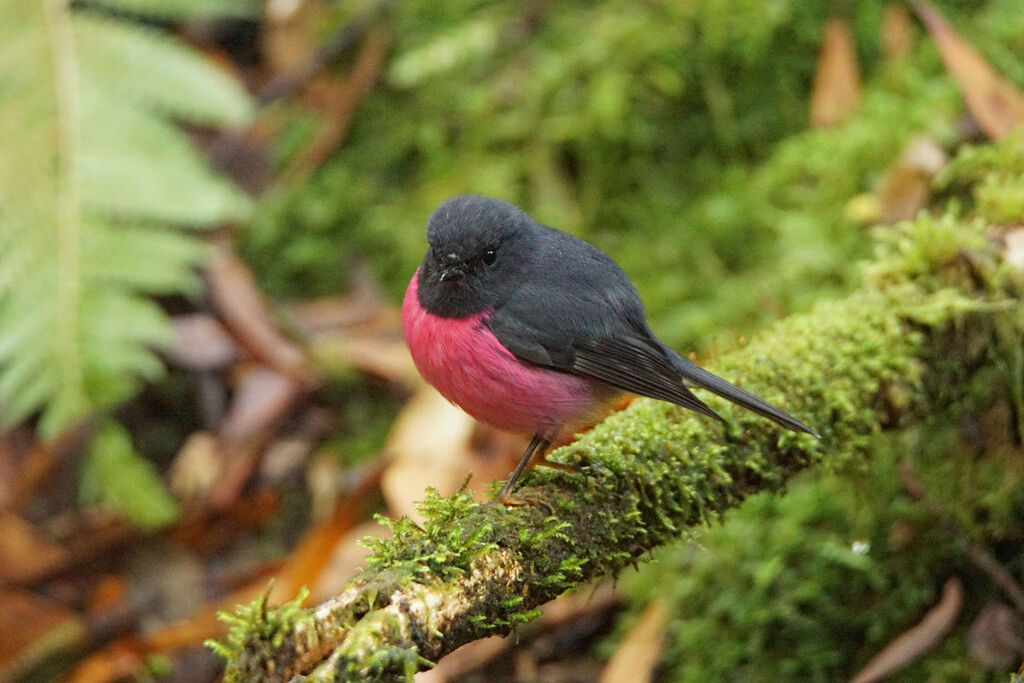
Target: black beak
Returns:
[453, 273]
[453, 268]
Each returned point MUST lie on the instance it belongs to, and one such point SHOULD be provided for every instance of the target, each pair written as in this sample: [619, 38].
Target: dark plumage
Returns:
[557, 302]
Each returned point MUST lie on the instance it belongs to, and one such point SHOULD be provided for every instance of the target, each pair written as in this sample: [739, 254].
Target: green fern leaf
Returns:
[121, 255]
[151, 69]
[134, 165]
[93, 171]
[115, 475]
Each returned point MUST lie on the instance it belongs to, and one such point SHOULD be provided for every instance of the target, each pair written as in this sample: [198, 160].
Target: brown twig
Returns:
[341, 105]
[230, 147]
[329, 53]
[978, 556]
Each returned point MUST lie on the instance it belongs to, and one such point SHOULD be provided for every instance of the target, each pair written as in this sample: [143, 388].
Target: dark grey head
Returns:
[478, 251]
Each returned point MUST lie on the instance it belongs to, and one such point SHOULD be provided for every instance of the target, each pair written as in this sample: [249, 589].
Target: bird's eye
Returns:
[490, 256]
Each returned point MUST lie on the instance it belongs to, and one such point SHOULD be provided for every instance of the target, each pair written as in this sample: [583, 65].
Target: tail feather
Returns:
[717, 385]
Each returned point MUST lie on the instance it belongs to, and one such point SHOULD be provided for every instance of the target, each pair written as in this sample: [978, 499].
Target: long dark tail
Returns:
[719, 386]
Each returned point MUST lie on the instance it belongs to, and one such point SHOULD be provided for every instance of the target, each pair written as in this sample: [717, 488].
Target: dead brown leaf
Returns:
[897, 32]
[914, 642]
[243, 309]
[639, 652]
[14, 448]
[380, 354]
[358, 331]
[429, 446]
[328, 315]
[202, 343]
[468, 658]
[118, 662]
[35, 460]
[195, 468]
[303, 567]
[906, 187]
[263, 398]
[994, 102]
[24, 554]
[837, 81]
[995, 637]
[260, 401]
[25, 619]
[79, 537]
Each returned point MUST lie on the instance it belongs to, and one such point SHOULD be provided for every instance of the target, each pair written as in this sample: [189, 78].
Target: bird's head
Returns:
[478, 252]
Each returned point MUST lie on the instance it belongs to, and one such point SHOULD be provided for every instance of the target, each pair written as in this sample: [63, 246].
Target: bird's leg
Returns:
[538, 442]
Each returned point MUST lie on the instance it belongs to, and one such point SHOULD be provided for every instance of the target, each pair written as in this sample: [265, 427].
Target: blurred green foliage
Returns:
[115, 475]
[810, 585]
[99, 187]
[94, 172]
[673, 135]
[670, 134]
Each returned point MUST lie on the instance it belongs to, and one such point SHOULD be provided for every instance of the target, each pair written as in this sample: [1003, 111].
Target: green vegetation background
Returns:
[675, 136]
[672, 134]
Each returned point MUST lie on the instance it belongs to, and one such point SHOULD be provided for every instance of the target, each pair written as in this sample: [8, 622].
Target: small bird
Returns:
[529, 329]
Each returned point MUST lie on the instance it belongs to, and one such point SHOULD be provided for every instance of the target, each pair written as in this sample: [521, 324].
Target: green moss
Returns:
[259, 632]
[446, 545]
[810, 585]
[993, 176]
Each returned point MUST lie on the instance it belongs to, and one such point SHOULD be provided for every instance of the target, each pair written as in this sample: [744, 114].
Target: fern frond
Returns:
[115, 475]
[136, 166]
[149, 68]
[93, 171]
[121, 255]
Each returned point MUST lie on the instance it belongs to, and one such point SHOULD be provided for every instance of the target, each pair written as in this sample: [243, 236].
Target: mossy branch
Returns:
[882, 358]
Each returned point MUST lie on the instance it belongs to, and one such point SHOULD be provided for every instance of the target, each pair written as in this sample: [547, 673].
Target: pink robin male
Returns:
[532, 330]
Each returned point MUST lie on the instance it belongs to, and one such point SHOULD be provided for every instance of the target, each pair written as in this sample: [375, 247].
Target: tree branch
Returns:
[881, 358]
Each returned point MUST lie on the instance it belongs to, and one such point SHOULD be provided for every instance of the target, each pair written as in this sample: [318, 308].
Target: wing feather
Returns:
[632, 365]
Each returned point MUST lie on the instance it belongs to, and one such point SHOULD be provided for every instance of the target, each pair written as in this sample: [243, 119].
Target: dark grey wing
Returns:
[631, 363]
[585, 318]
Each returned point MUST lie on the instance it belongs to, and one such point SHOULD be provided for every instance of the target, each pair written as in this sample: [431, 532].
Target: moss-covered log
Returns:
[936, 305]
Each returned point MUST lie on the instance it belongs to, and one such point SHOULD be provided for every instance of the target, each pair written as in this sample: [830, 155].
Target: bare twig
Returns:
[329, 53]
[979, 557]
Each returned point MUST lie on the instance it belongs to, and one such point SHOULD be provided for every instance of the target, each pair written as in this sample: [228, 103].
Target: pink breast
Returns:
[464, 361]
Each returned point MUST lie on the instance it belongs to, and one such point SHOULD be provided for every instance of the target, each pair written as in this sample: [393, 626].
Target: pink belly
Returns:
[464, 361]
